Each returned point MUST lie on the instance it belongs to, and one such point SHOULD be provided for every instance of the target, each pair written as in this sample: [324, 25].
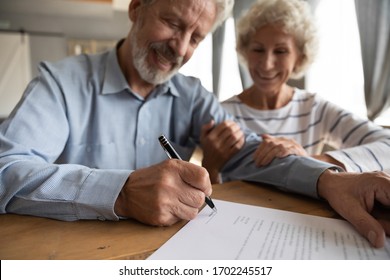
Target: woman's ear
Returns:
[299, 62]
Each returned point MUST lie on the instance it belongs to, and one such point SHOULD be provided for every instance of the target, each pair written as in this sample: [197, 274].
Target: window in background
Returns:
[200, 65]
[79, 46]
[230, 83]
[337, 73]
[384, 119]
[15, 69]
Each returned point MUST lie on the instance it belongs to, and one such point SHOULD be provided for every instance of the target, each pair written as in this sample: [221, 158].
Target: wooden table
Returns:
[26, 237]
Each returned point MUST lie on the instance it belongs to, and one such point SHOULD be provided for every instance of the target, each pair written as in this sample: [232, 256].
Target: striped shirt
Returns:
[314, 122]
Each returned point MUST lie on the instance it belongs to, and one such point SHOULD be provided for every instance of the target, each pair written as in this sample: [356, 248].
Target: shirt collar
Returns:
[168, 87]
[115, 82]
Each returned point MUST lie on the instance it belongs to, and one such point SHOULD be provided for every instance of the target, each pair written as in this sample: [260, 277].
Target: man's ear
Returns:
[133, 9]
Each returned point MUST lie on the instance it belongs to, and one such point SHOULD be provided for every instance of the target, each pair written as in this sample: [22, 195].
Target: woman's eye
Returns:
[281, 51]
[259, 50]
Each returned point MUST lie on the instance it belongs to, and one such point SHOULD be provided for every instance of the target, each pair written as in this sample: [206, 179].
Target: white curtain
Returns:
[218, 40]
[374, 28]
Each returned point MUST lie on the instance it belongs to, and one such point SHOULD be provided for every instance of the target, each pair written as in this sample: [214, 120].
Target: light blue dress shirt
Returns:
[79, 131]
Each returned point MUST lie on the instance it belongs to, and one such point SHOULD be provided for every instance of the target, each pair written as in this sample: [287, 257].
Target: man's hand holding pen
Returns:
[172, 154]
[165, 193]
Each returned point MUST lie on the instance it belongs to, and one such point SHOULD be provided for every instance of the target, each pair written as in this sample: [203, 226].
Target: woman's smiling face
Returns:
[272, 56]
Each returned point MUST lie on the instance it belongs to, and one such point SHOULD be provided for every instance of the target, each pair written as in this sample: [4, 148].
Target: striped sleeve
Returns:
[360, 144]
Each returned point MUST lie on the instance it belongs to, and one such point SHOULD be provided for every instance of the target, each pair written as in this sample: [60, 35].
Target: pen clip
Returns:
[168, 148]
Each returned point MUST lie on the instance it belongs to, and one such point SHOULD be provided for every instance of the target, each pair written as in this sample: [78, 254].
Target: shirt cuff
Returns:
[340, 158]
[98, 194]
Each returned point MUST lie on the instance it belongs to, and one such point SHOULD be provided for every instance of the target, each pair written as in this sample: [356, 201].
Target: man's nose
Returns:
[180, 44]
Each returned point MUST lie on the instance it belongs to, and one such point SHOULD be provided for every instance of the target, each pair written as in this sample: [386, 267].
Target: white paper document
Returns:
[239, 231]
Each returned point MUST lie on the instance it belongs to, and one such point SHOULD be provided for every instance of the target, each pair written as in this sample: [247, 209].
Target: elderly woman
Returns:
[277, 41]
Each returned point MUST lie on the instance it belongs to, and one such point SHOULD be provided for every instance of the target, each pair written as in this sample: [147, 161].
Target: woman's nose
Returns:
[267, 62]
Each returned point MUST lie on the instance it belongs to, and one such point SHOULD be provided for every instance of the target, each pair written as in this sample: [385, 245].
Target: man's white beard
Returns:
[152, 75]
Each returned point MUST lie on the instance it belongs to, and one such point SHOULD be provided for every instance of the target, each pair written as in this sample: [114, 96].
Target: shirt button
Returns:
[142, 141]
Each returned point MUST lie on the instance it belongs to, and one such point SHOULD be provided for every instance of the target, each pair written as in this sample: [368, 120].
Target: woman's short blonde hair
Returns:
[296, 19]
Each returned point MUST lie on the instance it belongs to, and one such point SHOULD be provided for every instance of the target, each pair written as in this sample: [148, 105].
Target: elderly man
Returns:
[82, 142]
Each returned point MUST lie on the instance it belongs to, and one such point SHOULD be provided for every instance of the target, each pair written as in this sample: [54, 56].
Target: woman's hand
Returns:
[276, 147]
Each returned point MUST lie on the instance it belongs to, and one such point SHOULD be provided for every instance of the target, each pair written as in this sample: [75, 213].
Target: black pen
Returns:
[171, 152]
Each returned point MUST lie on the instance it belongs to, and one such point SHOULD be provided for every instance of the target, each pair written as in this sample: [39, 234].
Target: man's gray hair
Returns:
[224, 9]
